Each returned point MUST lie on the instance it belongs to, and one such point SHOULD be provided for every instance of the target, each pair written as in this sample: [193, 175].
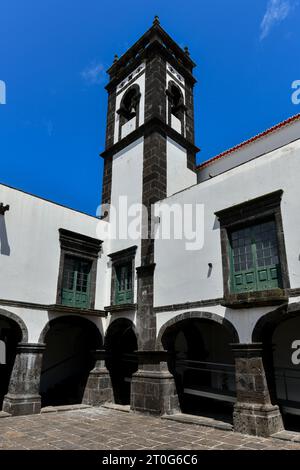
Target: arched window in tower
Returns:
[129, 111]
[176, 107]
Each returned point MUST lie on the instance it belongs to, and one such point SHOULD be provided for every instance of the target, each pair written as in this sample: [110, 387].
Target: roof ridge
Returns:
[249, 141]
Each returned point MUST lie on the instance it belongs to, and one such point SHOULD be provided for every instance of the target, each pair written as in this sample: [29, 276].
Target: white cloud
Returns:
[94, 73]
[277, 11]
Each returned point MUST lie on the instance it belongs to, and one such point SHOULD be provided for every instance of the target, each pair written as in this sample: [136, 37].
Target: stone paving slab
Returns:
[108, 429]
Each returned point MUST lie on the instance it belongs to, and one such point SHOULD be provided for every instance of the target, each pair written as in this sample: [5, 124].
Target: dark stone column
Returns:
[153, 389]
[23, 396]
[254, 412]
[98, 389]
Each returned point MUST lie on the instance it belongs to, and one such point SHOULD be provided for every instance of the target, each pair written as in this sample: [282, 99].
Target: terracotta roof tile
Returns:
[249, 141]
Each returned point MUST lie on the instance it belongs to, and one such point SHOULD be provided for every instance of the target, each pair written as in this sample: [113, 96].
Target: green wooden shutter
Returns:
[124, 291]
[76, 282]
[254, 258]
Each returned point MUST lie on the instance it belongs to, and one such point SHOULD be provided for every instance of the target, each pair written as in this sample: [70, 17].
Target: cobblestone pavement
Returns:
[105, 429]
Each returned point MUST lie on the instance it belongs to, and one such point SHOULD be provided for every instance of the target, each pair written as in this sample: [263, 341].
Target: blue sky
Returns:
[54, 54]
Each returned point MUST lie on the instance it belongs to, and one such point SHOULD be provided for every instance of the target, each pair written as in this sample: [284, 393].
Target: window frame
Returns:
[252, 212]
[119, 258]
[84, 248]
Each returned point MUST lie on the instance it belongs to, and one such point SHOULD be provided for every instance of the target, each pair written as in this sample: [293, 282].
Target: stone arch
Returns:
[19, 321]
[119, 322]
[129, 107]
[268, 322]
[201, 315]
[176, 103]
[121, 358]
[68, 358]
[47, 327]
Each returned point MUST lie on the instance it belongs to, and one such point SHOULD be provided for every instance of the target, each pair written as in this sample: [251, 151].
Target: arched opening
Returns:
[176, 100]
[286, 364]
[121, 346]
[67, 359]
[202, 364]
[176, 107]
[129, 111]
[10, 335]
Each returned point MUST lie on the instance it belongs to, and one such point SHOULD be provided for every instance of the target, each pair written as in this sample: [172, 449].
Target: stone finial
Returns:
[186, 50]
[3, 208]
[116, 58]
[156, 20]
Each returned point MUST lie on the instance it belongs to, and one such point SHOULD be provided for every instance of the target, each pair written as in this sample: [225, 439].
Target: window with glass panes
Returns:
[124, 291]
[254, 258]
[76, 282]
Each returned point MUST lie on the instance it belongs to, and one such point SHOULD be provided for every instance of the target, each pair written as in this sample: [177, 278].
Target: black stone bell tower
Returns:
[150, 102]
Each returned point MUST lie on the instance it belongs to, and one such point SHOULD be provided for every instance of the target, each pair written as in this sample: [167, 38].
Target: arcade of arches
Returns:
[213, 374]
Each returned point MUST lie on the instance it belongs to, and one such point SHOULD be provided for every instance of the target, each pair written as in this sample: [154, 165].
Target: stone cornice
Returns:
[154, 124]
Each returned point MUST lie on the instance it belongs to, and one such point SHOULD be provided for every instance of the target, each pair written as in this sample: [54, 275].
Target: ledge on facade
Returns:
[58, 308]
[255, 299]
[120, 308]
[155, 124]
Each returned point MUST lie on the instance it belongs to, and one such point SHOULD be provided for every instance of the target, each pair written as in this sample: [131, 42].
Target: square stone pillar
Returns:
[153, 388]
[98, 389]
[23, 396]
[254, 412]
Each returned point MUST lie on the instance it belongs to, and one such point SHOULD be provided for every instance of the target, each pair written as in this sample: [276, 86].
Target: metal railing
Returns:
[207, 379]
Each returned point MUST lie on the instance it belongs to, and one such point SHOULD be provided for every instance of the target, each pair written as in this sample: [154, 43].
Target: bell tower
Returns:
[150, 95]
[149, 155]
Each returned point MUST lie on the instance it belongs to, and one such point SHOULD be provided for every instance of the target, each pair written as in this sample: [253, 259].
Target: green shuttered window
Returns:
[76, 282]
[254, 258]
[124, 292]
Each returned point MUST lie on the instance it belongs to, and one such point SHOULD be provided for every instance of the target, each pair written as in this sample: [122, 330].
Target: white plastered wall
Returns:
[183, 276]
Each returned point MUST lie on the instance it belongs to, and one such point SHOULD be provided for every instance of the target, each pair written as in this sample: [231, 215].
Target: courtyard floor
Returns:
[106, 429]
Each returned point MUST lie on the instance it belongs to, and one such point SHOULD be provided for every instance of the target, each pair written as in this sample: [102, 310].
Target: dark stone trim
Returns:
[3, 208]
[57, 308]
[266, 324]
[145, 270]
[16, 319]
[152, 356]
[198, 315]
[141, 51]
[154, 124]
[120, 308]
[255, 299]
[247, 350]
[120, 257]
[257, 207]
[240, 215]
[133, 80]
[187, 305]
[31, 348]
[76, 244]
[295, 292]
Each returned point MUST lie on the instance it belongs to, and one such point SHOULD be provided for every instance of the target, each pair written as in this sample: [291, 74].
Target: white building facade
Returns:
[205, 321]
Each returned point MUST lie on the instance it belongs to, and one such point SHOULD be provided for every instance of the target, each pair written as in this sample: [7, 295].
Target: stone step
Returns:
[115, 406]
[56, 409]
[199, 420]
[3, 414]
[287, 436]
